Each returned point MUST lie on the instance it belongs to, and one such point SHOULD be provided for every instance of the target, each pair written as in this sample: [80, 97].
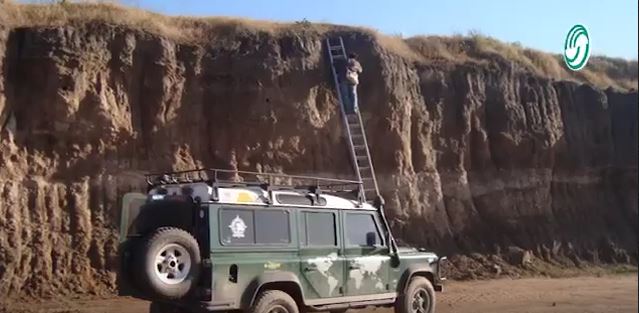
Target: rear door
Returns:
[367, 259]
[131, 204]
[322, 263]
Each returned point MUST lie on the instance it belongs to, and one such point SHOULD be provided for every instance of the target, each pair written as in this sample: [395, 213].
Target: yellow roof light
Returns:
[245, 197]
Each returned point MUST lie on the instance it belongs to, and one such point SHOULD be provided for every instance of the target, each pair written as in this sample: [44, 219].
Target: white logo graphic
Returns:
[323, 265]
[238, 227]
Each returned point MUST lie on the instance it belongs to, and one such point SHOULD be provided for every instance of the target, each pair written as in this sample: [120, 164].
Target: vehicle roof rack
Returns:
[267, 181]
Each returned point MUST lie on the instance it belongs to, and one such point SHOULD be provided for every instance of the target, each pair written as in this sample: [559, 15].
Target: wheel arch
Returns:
[277, 280]
[162, 213]
[422, 270]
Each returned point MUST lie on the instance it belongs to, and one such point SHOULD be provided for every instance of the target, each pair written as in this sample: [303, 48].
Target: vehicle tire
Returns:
[418, 298]
[160, 307]
[274, 301]
[168, 263]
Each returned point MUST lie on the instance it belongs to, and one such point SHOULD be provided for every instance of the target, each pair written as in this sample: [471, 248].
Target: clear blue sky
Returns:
[540, 24]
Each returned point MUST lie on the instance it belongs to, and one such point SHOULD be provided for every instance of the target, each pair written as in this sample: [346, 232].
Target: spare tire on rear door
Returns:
[168, 263]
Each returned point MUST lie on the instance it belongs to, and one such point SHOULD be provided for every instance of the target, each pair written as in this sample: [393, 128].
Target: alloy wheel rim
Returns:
[172, 264]
[420, 302]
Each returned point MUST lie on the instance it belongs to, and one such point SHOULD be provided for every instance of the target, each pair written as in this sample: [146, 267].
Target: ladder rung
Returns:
[362, 157]
[338, 57]
[364, 168]
[336, 48]
[359, 147]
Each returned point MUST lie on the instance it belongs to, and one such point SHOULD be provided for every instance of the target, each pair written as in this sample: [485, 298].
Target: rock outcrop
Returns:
[472, 158]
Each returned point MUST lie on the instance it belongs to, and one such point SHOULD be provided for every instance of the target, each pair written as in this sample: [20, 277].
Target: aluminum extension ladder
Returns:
[356, 137]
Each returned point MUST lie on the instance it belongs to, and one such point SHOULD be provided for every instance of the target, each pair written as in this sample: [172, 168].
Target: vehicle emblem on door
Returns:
[237, 227]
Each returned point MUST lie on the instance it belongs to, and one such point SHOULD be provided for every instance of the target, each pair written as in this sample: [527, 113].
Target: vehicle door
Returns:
[131, 204]
[366, 254]
[321, 260]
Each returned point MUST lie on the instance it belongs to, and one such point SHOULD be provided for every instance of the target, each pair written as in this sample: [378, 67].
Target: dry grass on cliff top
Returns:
[475, 48]
[601, 71]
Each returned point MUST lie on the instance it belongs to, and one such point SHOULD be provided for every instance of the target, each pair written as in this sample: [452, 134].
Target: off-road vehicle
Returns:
[199, 243]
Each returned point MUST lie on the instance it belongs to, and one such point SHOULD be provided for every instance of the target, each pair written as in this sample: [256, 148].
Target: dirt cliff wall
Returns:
[471, 157]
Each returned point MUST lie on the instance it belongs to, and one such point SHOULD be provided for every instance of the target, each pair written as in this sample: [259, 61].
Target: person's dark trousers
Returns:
[347, 98]
[352, 91]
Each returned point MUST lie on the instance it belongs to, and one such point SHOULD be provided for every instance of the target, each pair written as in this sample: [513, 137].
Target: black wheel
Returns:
[168, 263]
[418, 298]
[274, 301]
[159, 307]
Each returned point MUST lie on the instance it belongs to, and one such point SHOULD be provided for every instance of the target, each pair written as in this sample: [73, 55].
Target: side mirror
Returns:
[371, 239]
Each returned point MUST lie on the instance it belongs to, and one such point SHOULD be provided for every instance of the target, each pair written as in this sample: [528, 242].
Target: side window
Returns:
[320, 229]
[249, 227]
[236, 227]
[361, 229]
[271, 227]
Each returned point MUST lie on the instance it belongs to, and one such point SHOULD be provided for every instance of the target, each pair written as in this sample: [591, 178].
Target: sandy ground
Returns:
[608, 294]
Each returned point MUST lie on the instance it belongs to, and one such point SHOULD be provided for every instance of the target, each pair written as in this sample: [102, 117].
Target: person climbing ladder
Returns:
[348, 72]
[353, 69]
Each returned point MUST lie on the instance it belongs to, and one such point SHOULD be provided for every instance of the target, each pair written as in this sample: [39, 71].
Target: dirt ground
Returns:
[608, 294]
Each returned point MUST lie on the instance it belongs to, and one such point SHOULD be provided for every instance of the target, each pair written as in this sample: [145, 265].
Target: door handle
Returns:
[353, 266]
[310, 268]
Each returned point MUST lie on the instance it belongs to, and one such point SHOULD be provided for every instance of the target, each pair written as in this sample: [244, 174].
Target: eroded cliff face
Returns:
[470, 158]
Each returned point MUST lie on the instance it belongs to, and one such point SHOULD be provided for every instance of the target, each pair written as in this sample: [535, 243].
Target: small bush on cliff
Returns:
[303, 23]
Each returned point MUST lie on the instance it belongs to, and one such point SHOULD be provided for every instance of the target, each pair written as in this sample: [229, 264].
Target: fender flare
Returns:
[250, 293]
[411, 271]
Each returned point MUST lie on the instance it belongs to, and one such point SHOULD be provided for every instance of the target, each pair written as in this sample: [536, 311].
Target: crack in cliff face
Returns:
[469, 158]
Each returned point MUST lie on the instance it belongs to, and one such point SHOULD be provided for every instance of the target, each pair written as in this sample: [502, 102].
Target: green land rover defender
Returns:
[199, 243]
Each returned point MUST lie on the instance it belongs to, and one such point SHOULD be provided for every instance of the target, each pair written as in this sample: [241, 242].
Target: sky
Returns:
[539, 24]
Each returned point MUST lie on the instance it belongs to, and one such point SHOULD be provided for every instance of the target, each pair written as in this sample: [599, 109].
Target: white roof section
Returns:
[249, 195]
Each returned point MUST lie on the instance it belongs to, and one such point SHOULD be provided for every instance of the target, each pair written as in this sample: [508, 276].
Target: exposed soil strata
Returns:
[471, 158]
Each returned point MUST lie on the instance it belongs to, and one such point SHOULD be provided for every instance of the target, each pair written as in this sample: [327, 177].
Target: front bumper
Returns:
[439, 279]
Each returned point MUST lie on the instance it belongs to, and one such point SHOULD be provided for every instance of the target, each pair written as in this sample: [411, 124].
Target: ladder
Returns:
[356, 136]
